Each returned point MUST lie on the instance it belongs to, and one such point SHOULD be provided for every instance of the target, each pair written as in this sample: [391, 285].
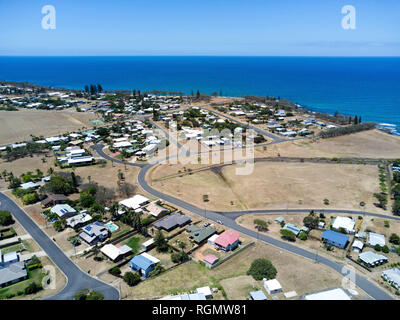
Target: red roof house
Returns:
[210, 259]
[228, 240]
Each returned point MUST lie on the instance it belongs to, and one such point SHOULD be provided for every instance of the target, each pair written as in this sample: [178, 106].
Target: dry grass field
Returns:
[294, 273]
[19, 125]
[277, 185]
[367, 144]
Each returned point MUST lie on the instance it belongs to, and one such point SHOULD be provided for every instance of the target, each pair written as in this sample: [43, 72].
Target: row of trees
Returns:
[340, 131]
[93, 89]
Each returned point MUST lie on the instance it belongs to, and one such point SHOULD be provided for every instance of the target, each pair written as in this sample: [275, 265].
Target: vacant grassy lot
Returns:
[368, 144]
[278, 185]
[294, 273]
[19, 125]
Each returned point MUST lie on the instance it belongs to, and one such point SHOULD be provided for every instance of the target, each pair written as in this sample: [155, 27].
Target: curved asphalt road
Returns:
[228, 219]
[76, 278]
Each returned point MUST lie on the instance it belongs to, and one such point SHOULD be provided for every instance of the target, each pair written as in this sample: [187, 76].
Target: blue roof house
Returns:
[144, 263]
[335, 238]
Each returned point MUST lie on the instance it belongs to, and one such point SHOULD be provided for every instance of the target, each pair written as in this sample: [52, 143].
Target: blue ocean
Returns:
[369, 87]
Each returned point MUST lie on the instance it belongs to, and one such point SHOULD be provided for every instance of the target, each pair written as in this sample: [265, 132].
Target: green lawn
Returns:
[34, 275]
[15, 247]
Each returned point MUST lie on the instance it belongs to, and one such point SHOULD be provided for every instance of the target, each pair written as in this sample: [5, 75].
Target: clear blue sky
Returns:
[200, 27]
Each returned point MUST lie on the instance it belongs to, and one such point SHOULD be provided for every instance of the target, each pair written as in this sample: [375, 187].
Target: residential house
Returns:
[372, 259]
[292, 227]
[143, 263]
[156, 210]
[227, 241]
[172, 221]
[200, 233]
[134, 202]
[392, 276]
[53, 199]
[115, 253]
[376, 238]
[335, 238]
[63, 210]
[94, 233]
[78, 220]
[344, 222]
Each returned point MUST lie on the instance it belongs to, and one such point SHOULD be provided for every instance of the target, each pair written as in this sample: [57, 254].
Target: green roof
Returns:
[200, 234]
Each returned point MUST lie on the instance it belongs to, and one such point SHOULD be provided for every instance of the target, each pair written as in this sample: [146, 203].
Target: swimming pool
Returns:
[112, 226]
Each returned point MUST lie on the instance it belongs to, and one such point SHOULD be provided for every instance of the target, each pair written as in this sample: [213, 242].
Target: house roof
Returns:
[289, 226]
[13, 272]
[79, 218]
[393, 275]
[62, 209]
[227, 238]
[204, 290]
[358, 244]
[335, 237]
[114, 252]
[333, 294]
[371, 257]
[345, 223]
[210, 258]
[201, 233]
[155, 209]
[258, 295]
[172, 221]
[54, 197]
[272, 284]
[213, 238]
[144, 261]
[376, 238]
[134, 202]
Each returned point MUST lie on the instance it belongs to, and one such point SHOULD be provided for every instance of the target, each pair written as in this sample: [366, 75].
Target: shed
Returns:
[272, 286]
[258, 295]
[376, 238]
[357, 245]
[206, 291]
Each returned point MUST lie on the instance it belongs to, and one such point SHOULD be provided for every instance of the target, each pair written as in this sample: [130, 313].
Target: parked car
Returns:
[219, 221]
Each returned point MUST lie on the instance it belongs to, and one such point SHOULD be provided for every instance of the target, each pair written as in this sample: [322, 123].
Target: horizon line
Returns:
[199, 55]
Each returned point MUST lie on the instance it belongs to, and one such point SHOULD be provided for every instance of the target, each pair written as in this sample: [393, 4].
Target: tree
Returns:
[30, 198]
[287, 234]
[198, 94]
[160, 242]
[385, 249]
[178, 257]
[33, 287]
[131, 278]
[14, 183]
[394, 238]
[311, 221]
[59, 184]
[262, 268]
[94, 295]
[5, 218]
[261, 225]
[99, 88]
[377, 247]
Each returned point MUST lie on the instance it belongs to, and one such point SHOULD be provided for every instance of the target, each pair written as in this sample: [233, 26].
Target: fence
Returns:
[232, 255]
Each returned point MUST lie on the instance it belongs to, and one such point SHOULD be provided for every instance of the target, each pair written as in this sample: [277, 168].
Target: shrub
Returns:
[262, 268]
[33, 287]
[385, 249]
[287, 234]
[394, 238]
[303, 236]
[377, 247]
[131, 278]
[115, 271]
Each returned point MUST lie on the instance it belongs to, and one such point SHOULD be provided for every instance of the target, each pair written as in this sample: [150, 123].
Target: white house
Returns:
[345, 223]
[134, 202]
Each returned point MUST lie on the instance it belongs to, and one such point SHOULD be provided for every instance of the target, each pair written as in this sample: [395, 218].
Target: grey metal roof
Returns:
[13, 272]
[172, 221]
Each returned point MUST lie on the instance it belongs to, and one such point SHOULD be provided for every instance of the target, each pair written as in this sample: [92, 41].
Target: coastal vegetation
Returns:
[340, 131]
